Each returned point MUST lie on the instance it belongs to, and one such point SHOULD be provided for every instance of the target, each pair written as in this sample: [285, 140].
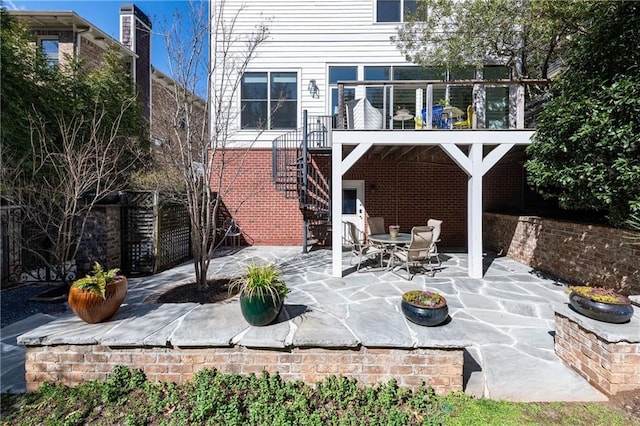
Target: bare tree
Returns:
[74, 162]
[194, 142]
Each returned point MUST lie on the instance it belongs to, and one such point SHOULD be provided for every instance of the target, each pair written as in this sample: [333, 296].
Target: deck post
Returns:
[474, 211]
[336, 209]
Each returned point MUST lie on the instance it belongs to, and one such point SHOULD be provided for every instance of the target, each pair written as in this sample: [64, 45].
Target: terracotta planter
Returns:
[93, 309]
[260, 311]
[608, 312]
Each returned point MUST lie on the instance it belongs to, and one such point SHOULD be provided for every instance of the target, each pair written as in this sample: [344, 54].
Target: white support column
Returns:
[520, 107]
[336, 210]
[474, 212]
[338, 168]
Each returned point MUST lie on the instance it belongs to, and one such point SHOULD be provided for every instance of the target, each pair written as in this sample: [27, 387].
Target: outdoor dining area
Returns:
[403, 253]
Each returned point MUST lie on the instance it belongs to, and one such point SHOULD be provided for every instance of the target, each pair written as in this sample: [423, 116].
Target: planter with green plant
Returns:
[262, 292]
[98, 296]
[600, 303]
[427, 308]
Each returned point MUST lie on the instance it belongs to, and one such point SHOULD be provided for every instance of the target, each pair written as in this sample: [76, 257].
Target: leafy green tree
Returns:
[25, 81]
[586, 151]
[528, 35]
[70, 135]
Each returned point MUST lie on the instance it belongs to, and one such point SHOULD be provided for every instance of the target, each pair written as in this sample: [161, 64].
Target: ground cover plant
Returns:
[127, 397]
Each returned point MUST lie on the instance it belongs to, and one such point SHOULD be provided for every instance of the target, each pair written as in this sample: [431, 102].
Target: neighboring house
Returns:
[169, 119]
[371, 163]
[63, 35]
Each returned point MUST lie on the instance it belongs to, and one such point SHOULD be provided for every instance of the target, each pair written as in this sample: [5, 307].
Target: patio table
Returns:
[452, 112]
[387, 240]
[402, 116]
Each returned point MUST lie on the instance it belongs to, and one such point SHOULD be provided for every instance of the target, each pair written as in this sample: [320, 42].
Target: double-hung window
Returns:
[394, 10]
[269, 100]
[49, 46]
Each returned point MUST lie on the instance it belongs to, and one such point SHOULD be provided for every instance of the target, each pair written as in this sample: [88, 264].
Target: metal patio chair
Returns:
[361, 250]
[433, 251]
[416, 254]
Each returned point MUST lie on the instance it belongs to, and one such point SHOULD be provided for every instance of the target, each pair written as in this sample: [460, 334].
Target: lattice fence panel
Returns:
[138, 237]
[156, 233]
[174, 244]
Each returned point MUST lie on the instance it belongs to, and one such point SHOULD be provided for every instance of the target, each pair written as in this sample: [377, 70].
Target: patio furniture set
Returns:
[401, 251]
[445, 117]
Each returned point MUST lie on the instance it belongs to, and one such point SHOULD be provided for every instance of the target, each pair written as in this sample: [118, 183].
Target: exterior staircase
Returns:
[296, 173]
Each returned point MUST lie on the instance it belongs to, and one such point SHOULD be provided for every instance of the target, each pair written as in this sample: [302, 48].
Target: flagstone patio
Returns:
[502, 327]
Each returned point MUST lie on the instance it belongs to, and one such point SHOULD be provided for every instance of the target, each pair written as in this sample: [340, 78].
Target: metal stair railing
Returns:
[295, 172]
[287, 153]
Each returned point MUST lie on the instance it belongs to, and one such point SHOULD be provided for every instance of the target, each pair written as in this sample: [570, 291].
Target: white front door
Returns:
[353, 206]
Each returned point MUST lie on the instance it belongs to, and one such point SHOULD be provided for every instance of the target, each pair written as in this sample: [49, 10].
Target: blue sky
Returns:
[104, 14]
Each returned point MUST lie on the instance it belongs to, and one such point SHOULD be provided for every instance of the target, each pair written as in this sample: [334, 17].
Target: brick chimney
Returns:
[135, 33]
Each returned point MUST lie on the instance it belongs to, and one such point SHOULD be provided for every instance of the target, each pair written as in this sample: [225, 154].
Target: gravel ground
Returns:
[15, 303]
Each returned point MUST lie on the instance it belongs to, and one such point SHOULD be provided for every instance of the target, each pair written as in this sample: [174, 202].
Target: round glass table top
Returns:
[402, 238]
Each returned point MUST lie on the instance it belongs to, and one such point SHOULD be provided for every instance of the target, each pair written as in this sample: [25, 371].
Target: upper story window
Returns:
[269, 100]
[49, 46]
[342, 73]
[496, 72]
[348, 73]
[394, 10]
[375, 94]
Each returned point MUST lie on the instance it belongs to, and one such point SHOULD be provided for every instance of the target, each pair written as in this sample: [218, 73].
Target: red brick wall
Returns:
[74, 364]
[412, 192]
[503, 188]
[611, 367]
[576, 252]
[263, 214]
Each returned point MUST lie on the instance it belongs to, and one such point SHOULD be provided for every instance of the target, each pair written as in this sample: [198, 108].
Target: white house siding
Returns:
[309, 36]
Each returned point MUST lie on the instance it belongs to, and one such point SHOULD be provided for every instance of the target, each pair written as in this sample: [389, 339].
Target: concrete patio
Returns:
[505, 321]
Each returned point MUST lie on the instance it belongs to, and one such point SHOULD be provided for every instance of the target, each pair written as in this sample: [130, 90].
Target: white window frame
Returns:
[53, 61]
[269, 73]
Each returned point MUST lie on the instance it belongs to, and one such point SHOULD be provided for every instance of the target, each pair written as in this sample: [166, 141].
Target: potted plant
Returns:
[601, 303]
[97, 297]
[262, 292]
[427, 308]
[393, 230]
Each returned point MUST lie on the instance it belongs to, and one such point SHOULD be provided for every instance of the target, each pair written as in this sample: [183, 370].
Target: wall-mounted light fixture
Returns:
[314, 89]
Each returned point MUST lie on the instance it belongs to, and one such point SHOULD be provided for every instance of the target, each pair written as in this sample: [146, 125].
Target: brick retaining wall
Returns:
[74, 364]
[612, 367]
[575, 252]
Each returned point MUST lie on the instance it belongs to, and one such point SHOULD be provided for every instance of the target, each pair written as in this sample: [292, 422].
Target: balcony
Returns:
[496, 104]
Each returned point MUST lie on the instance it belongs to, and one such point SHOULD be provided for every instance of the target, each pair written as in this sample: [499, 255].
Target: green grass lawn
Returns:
[229, 399]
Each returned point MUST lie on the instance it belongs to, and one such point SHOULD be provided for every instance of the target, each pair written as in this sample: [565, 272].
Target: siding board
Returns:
[308, 37]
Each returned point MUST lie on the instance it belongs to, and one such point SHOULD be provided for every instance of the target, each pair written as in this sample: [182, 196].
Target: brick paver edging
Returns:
[611, 366]
[74, 364]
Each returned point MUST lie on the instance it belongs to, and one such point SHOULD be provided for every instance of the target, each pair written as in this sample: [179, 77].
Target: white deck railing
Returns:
[497, 104]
